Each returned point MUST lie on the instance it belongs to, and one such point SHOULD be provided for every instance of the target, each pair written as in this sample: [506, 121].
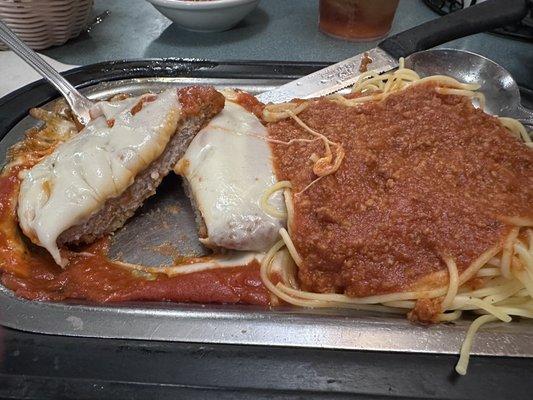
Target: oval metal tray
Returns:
[337, 329]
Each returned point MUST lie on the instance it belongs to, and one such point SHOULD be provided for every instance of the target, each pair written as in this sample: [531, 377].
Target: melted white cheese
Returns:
[68, 186]
[228, 167]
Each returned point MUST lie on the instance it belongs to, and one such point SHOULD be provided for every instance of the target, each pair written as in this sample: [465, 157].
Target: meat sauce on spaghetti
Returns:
[425, 176]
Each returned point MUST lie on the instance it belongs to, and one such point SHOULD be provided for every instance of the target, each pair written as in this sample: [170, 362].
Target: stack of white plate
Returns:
[44, 23]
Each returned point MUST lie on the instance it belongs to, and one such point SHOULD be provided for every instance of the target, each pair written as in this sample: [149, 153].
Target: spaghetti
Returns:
[503, 272]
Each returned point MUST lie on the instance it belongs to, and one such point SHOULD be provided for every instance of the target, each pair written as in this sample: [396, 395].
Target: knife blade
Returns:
[479, 18]
[330, 79]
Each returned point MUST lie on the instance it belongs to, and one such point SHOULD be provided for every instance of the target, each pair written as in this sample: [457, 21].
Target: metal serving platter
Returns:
[140, 240]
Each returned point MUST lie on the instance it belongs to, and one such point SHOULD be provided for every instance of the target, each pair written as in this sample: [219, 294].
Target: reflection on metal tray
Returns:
[340, 329]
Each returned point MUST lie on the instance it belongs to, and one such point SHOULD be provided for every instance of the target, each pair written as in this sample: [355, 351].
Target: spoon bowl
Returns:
[501, 91]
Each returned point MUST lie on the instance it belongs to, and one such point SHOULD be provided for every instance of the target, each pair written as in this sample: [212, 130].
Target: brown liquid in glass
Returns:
[357, 19]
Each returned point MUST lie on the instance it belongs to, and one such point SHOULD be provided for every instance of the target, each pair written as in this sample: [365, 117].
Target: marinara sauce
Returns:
[31, 273]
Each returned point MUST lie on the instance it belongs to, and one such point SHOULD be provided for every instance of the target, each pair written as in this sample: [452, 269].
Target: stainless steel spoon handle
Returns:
[525, 116]
[79, 104]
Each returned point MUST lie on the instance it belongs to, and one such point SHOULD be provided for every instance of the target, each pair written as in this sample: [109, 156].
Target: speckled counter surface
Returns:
[284, 30]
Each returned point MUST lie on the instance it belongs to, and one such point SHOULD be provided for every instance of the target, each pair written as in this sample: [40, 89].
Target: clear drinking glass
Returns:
[357, 20]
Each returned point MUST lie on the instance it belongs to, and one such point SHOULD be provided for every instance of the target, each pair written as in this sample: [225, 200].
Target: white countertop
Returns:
[16, 73]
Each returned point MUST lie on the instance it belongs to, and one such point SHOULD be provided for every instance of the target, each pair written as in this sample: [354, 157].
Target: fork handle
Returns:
[75, 99]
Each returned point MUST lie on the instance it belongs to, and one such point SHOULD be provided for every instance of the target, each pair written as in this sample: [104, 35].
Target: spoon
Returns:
[502, 96]
[79, 104]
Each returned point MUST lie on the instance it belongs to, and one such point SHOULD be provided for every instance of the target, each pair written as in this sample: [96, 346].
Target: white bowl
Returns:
[205, 16]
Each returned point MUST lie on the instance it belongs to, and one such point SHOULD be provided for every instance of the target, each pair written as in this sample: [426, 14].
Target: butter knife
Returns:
[385, 57]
